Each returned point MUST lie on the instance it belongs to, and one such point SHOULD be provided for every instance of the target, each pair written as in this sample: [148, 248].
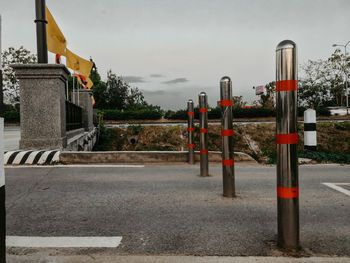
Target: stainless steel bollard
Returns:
[310, 136]
[287, 143]
[190, 129]
[203, 138]
[228, 171]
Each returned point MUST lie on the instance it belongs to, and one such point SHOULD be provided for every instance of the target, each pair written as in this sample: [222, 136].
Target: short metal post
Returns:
[286, 144]
[41, 39]
[228, 171]
[2, 172]
[190, 129]
[203, 137]
[310, 136]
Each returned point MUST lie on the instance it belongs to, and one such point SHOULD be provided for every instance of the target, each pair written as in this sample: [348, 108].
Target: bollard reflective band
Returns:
[203, 151]
[228, 162]
[191, 146]
[203, 110]
[226, 102]
[287, 192]
[227, 132]
[289, 138]
[190, 129]
[190, 113]
[203, 130]
[286, 85]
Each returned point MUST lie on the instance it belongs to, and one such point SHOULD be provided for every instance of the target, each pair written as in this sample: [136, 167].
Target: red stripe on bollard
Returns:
[227, 132]
[203, 130]
[203, 151]
[191, 146]
[287, 192]
[226, 103]
[203, 110]
[289, 138]
[228, 162]
[190, 129]
[190, 113]
[286, 85]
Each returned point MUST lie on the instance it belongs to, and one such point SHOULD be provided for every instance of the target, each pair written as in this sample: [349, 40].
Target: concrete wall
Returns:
[141, 157]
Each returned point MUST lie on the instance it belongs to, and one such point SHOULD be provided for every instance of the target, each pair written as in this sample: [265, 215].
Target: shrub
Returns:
[116, 115]
[325, 157]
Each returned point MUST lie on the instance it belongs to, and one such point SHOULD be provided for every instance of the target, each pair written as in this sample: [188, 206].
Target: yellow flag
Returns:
[93, 100]
[78, 64]
[89, 83]
[56, 42]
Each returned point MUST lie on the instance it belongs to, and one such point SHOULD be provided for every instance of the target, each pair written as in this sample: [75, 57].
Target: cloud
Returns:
[175, 81]
[133, 79]
[153, 92]
[157, 76]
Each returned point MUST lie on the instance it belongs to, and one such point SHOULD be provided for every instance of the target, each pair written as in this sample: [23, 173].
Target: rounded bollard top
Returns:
[286, 44]
[202, 94]
[190, 101]
[225, 79]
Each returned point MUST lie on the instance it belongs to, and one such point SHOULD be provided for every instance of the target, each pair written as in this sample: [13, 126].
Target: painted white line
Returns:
[337, 188]
[78, 166]
[63, 242]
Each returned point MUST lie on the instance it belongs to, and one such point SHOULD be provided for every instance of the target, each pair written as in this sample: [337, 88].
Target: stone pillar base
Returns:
[43, 109]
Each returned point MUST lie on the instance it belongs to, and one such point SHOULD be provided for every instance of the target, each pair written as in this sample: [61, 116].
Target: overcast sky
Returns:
[174, 49]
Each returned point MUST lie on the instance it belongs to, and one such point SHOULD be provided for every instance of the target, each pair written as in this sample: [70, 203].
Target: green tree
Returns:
[10, 83]
[323, 83]
[268, 98]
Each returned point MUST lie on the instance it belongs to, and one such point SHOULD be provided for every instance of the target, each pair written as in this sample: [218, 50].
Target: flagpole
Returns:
[78, 90]
[73, 88]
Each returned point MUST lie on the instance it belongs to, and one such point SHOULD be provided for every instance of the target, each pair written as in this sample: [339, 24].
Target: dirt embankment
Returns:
[258, 140]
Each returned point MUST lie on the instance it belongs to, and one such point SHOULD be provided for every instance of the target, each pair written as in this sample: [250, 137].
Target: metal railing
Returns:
[74, 116]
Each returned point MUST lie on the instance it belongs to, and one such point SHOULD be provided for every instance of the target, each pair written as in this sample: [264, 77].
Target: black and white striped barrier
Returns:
[310, 136]
[31, 157]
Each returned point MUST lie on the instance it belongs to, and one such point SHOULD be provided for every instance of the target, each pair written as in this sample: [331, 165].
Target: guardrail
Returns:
[74, 116]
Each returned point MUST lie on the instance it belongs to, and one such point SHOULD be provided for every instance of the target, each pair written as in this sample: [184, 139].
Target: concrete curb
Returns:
[142, 157]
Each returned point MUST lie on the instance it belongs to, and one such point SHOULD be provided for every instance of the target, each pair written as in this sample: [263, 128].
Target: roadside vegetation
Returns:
[257, 140]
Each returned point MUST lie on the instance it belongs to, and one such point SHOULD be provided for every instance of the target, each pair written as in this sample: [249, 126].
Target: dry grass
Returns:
[331, 138]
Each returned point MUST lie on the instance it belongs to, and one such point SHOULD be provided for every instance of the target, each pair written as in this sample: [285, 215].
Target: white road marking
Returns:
[338, 188]
[63, 242]
[78, 166]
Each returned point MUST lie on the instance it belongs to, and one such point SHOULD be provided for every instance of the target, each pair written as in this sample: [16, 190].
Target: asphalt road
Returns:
[162, 210]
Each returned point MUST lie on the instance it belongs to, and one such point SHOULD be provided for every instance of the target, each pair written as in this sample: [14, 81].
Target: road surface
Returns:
[170, 210]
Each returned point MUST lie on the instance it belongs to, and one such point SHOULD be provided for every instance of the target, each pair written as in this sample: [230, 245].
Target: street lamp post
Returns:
[346, 76]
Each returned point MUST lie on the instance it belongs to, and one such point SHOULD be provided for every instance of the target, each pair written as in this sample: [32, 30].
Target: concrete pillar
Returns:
[86, 103]
[43, 110]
